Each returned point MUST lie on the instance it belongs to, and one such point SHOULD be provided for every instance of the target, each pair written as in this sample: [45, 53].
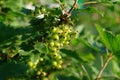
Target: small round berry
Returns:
[54, 63]
[34, 66]
[41, 59]
[55, 30]
[53, 49]
[61, 45]
[43, 74]
[38, 72]
[56, 37]
[58, 66]
[58, 57]
[51, 43]
[60, 62]
[30, 63]
[57, 44]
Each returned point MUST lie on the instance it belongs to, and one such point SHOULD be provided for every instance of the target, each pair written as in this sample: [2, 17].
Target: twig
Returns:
[114, 77]
[72, 7]
[62, 7]
[101, 60]
[64, 17]
[92, 2]
[67, 13]
[84, 69]
[109, 57]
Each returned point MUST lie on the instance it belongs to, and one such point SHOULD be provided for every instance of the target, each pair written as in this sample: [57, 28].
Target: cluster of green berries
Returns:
[57, 38]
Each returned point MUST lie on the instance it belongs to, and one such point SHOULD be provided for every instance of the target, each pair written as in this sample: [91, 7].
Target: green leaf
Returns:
[62, 1]
[110, 40]
[115, 66]
[88, 44]
[34, 58]
[93, 10]
[40, 47]
[14, 5]
[72, 54]
[87, 57]
[62, 77]
[12, 70]
[23, 53]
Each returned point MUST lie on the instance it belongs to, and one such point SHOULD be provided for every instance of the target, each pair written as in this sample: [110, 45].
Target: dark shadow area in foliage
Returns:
[12, 70]
[61, 77]
[7, 32]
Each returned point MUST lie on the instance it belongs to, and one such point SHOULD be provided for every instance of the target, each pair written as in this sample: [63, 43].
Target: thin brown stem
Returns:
[84, 69]
[64, 17]
[109, 57]
[62, 7]
[72, 7]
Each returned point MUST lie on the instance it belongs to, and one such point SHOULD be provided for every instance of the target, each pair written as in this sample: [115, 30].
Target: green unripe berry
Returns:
[58, 57]
[45, 78]
[60, 62]
[65, 34]
[51, 43]
[58, 66]
[60, 31]
[43, 73]
[33, 66]
[57, 44]
[55, 54]
[53, 49]
[66, 28]
[66, 43]
[41, 59]
[43, 10]
[54, 63]
[69, 31]
[38, 72]
[61, 44]
[56, 37]
[55, 30]
[65, 37]
[30, 63]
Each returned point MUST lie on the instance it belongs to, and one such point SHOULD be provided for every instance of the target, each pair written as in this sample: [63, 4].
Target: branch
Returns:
[104, 66]
[62, 7]
[64, 17]
[101, 60]
[113, 77]
[72, 7]
[83, 67]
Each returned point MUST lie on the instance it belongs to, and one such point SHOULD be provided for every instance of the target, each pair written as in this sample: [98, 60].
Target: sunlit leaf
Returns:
[111, 40]
[88, 44]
